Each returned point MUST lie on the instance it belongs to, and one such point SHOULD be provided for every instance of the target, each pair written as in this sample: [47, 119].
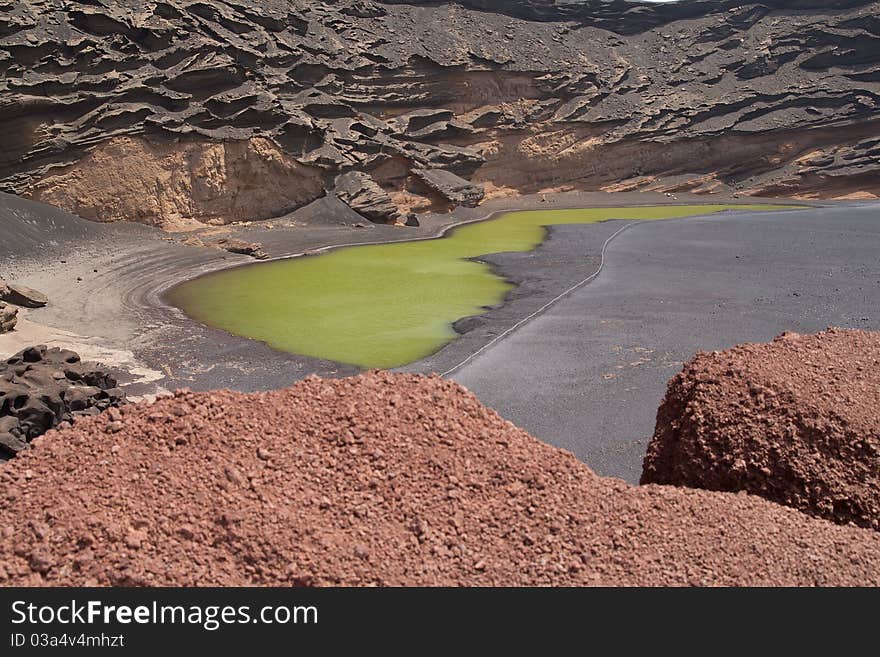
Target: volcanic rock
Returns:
[235, 245]
[796, 421]
[21, 295]
[42, 387]
[176, 112]
[364, 9]
[380, 479]
[362, 194]
[8, 318]
[454, 189]
[429, 123]
[192, 181]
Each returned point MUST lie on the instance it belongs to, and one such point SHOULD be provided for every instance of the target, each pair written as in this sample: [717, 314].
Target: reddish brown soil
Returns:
[796, 421]
[379, 479]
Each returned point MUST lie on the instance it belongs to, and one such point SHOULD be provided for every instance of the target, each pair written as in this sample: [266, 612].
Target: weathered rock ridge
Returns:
[172, 112]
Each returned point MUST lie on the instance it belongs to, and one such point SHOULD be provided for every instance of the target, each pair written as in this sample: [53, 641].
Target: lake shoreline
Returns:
[378, 306]
[119, 307]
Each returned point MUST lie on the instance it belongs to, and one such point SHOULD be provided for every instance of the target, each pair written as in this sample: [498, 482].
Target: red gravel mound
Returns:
[379, 479]
[796, 421]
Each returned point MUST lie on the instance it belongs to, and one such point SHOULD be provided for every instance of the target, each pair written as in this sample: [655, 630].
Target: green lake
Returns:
[382, 306]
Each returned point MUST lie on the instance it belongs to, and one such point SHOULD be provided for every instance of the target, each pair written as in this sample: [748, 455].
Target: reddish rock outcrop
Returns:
[796, 421]
[379, 479]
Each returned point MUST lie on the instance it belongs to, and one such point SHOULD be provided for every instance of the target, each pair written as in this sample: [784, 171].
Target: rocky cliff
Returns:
[173, 112]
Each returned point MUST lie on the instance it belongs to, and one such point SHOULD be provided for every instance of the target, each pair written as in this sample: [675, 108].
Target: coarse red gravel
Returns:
[796, 421]
[379, 479]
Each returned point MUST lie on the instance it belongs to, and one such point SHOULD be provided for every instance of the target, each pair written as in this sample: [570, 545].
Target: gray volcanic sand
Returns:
[116, 315]
[589, 374]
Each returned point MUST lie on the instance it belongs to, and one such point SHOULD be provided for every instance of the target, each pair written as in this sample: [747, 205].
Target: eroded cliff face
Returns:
[180, 183]
[176, 112]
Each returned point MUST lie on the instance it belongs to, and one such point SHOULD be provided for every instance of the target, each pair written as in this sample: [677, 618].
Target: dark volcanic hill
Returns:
[175, 111]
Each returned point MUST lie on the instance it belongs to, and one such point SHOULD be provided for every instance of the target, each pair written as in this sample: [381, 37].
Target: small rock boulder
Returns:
[453, 188]
[362, 194]
[364, 9]
[8, 317]
[21, 295]
[234, 245]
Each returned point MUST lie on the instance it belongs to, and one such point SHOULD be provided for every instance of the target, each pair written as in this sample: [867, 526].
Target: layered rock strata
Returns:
[176, 113]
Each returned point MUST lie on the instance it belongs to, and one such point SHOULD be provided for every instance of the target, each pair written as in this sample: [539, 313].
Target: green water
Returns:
[385, 305]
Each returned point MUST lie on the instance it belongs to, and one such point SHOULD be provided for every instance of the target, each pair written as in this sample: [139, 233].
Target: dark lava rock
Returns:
[468, 324]
[42, 387]
[362, 194]
[21, 295]
[364, 9]
[428, 124]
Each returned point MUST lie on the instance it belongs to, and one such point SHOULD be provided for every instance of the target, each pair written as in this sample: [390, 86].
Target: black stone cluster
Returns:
[41, 387]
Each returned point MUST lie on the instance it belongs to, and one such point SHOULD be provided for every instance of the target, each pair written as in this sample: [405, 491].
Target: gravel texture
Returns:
[796, 421]
[384, 479]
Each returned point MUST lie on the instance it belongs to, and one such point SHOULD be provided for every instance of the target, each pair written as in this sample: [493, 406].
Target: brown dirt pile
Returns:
[379, 479]
[796, 421]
